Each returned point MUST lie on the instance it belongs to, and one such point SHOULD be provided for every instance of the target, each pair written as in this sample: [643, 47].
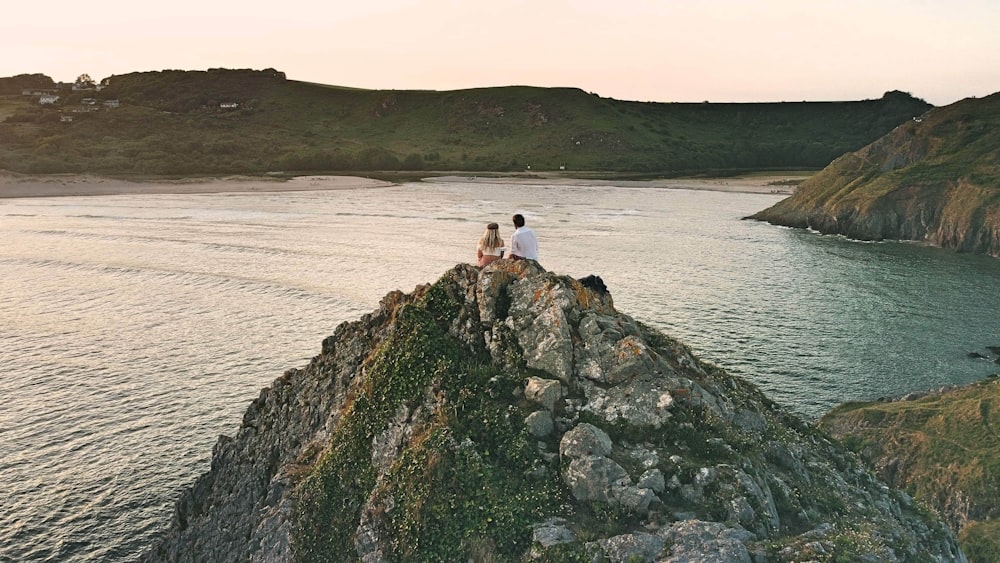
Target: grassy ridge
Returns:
[463, 477]
[957, 141]
[172, 122]
[943, 448]
[934, 179]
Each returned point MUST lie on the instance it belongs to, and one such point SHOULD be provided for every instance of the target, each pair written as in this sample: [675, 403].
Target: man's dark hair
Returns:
[518, 220]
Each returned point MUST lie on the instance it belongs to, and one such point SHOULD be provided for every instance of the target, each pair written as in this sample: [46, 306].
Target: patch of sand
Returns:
[746, 184]
[57, 185]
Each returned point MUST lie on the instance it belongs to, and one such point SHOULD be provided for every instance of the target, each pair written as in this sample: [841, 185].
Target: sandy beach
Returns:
[765, 184]
[16, 185]
[58, 185]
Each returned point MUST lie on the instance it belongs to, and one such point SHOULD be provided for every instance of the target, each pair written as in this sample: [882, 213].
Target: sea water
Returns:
[136, 329]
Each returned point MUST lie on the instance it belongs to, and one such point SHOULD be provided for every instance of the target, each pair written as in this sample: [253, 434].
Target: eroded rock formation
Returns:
[509, 413]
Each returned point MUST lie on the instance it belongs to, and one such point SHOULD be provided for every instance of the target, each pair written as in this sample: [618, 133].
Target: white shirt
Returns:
[524, 243]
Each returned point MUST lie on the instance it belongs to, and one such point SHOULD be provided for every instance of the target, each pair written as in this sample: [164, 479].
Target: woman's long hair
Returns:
[491, 237]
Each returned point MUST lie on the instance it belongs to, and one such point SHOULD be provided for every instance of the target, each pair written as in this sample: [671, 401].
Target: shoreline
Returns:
[770, 184]
[69, 185]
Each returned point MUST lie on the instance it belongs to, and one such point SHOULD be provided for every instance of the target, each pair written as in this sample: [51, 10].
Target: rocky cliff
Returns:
[509, 413]
[940, 446]
[935, 178]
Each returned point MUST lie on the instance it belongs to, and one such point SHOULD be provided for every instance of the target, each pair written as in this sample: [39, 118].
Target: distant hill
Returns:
[16, 84]
[935, 178]
[941, 447]
[246, 121]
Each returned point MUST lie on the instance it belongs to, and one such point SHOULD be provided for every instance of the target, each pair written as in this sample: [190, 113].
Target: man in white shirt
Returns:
[523, 243]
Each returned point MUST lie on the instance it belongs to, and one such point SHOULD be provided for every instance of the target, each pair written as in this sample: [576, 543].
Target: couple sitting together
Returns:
[523, 243]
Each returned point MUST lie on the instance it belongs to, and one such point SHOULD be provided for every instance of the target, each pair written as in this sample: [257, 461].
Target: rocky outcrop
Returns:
[941, 446]
[935, 179]
[508, 412]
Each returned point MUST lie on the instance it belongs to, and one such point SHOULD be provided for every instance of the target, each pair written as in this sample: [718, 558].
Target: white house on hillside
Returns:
[48, 99]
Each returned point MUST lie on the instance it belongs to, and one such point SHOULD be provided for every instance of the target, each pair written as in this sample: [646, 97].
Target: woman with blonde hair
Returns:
[490, 245]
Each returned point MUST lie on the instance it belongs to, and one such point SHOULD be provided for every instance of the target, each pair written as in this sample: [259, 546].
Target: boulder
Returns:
[545, 392]
[585, 440]
[539, 423]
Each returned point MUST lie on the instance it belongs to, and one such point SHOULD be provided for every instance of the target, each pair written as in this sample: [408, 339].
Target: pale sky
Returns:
[645, 50]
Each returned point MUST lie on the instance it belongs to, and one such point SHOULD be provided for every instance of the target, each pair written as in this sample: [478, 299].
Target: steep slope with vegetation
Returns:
[242, 121]
[934, 179]
[511, 414]
[942, 448]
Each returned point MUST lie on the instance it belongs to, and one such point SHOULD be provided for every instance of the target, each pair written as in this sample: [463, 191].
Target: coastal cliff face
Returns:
[941, 447]
[508, 413]
[934, 179]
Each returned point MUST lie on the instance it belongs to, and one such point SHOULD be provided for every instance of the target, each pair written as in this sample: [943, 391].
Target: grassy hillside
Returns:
[16, 84]
[943, 448]
[934, 179]
[174, 122]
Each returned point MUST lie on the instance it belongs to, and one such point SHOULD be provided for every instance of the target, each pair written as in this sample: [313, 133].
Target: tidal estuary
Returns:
[135, 329]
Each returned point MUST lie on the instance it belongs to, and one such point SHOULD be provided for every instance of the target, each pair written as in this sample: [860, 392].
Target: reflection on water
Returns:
[136, 329]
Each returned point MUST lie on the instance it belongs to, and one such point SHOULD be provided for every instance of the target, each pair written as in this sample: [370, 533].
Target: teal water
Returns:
[136, 329]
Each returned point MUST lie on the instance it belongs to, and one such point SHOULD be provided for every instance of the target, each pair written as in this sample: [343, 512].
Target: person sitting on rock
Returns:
[490, 245]
[523, 243]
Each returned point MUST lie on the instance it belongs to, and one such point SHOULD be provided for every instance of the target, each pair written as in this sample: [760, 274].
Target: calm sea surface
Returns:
[136, 329]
